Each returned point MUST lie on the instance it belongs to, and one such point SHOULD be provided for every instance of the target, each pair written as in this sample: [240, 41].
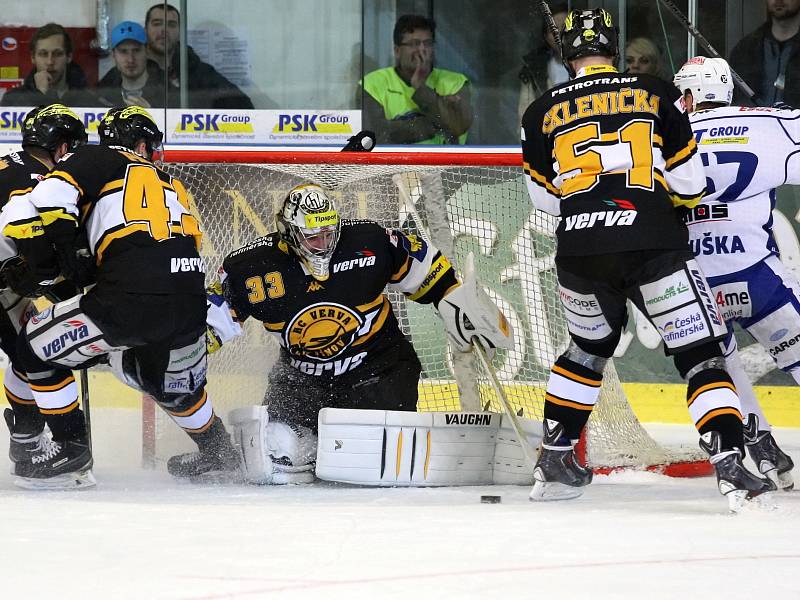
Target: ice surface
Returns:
[141, 535]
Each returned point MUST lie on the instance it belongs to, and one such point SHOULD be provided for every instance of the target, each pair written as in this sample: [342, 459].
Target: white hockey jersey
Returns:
[747, 153]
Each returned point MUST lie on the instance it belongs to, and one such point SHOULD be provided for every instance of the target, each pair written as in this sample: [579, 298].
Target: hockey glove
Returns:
[24, 281]
[468, 313]
[221, 323]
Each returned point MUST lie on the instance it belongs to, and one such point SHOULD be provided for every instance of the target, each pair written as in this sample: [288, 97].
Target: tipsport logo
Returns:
[289, 123]
[214, 123]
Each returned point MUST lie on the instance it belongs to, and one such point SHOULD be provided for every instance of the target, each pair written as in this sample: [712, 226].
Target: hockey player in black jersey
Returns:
[318, 285]
[117, 221]
[613, 155]
[48, 133]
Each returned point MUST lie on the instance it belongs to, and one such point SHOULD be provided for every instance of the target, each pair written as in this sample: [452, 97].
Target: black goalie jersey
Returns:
[136, 218]
[612, 154]
[328, 328]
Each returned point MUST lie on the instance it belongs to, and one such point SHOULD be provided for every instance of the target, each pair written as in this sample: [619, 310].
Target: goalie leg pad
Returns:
[272, 452]
[398, 448]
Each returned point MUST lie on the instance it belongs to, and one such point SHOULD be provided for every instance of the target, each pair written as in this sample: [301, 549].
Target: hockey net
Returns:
[462, 203]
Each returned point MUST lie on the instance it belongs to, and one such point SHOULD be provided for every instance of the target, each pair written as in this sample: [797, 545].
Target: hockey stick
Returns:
[84, 377]
[670, 5]
[551, 22]
[527, 451]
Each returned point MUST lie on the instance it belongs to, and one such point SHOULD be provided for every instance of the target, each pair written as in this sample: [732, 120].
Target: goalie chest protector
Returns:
[327, 327]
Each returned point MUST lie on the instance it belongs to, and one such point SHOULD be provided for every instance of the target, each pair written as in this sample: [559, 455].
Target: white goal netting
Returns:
[461, 209]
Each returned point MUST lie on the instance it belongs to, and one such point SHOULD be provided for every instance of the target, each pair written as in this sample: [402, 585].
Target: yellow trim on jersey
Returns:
[19, 192]
[681, 154]
[377, 324]
[24, 231]
[66, 177]
[370, 305]
[112, 186]
[274, 326]
[52, 215]
[540, 179]
[435, 273]
[119, 233]
[401, 272]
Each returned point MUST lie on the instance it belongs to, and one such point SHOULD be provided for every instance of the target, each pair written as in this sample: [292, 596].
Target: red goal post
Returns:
[472, 200]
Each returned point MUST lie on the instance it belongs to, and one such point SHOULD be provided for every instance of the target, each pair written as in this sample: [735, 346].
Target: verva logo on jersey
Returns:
[609, 218]
[355, 263]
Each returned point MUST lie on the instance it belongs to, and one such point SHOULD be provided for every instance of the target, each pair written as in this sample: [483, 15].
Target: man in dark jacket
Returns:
[768, 59]
[206, 86]
[55, 78]
[132, 82]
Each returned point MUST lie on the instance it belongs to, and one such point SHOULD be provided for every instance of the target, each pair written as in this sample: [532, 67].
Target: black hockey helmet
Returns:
[129, 125]
[50, 126]
[588, 33]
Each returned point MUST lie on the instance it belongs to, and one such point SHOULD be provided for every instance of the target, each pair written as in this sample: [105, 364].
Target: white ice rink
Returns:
[141, 535]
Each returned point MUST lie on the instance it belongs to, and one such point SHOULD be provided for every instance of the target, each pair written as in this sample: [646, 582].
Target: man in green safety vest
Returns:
[414, 102]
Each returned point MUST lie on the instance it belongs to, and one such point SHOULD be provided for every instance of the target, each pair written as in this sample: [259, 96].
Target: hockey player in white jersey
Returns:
[747, 153]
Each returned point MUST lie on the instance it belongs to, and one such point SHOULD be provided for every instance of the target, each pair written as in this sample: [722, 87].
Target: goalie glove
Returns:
[468, 313]
[221, 326]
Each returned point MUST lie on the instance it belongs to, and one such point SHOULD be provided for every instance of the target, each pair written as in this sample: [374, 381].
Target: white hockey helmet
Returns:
[309, 224]
[709, 80]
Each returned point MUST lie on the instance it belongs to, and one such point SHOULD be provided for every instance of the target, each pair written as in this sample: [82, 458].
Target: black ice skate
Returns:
[21, 445]
[558, 475]
[216, 461]
[735, 482]
[57, 466]
[767, 456]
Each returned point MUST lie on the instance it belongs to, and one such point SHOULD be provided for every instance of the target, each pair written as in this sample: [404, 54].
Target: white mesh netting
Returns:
[482, 209]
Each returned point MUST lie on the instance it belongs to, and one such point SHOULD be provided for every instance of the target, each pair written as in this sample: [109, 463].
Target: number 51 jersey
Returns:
[331, 327]
[136, 218]
[612, 154]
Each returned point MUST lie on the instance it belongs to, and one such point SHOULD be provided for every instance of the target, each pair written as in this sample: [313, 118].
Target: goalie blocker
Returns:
[385, 448]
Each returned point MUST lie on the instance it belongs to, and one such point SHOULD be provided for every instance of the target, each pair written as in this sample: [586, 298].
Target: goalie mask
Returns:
[308, 223]
[709, 80]
[588, 33]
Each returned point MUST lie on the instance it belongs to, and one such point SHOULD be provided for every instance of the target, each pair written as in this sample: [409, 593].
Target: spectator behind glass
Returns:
[414, 102]
[130, 82]
[55, 78]
[767, 59]
[643, 56]
[207, 88]
[542, 67]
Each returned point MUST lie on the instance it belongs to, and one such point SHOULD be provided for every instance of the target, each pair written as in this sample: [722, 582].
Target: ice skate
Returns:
[557, 475]
[767, 456]
[21, 445]
[735, 482]
[216, 461]
[57, 466]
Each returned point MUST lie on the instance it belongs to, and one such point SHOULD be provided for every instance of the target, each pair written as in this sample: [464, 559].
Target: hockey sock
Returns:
[714, 406]
[572, 392]
[744, 389]
[27, 418]
[193, 412]
[56, 395]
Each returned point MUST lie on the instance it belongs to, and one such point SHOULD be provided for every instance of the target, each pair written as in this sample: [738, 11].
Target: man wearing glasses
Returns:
[414, 102]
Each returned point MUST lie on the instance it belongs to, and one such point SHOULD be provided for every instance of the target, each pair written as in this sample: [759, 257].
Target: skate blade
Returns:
[544, 491]
[67, 481]
[741, 501]
[783, 481]
[216, 478]
[280, 478]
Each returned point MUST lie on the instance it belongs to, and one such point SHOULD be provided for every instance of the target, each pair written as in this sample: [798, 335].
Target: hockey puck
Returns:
[490, 499]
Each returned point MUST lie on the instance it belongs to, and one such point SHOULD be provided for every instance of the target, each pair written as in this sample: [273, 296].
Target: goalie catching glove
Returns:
[468, 314]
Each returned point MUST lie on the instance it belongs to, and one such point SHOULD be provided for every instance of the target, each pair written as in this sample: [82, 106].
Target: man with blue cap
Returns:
[130, 82]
